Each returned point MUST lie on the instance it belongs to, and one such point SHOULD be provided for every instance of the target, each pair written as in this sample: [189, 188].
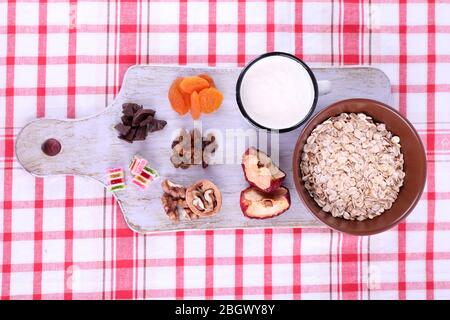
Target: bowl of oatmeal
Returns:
[359, 166]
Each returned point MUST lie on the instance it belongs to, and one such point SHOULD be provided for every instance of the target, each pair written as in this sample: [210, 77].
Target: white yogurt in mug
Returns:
[277, 92]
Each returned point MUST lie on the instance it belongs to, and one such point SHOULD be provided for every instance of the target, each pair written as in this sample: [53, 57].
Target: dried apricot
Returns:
[176, 98]
[195, 105]
[191, 84]
[209, 79]
[187, 100]
[210, 100]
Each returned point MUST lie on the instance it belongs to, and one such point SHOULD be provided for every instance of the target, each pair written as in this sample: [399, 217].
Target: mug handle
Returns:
[324, 87]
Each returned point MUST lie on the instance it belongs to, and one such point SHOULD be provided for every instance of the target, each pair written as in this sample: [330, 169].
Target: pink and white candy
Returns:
[137, 165]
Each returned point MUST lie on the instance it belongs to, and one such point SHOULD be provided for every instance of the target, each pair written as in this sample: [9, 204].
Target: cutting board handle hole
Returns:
[51, 147]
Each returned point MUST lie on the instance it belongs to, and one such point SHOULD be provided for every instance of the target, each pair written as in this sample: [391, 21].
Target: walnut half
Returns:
[204, 198]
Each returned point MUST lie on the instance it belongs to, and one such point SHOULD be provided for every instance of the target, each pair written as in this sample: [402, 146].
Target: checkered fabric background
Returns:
[65, 238]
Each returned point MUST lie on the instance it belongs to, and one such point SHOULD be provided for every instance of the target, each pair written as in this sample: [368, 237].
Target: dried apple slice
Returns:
[256, 204]
[260, 171]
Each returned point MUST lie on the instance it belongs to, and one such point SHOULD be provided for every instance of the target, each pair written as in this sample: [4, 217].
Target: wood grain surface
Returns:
[90, 146]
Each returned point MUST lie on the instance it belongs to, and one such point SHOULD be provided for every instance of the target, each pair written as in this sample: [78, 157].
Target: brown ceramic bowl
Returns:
[414, 167]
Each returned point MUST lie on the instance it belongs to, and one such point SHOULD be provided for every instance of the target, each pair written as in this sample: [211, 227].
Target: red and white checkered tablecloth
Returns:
[64, 237]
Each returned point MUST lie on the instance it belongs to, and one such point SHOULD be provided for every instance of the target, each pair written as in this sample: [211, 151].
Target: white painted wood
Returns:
[90, 146]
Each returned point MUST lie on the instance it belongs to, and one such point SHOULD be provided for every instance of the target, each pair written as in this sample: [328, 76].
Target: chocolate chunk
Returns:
[142, 115]
[137, 122]
[141, 134]
[128, 109]
[161, 124]
[123, 129]
[130, 136]
[123, 138]
[156, 125]
[127, 120]
[147, 121]
[151, 112]
[136, 107]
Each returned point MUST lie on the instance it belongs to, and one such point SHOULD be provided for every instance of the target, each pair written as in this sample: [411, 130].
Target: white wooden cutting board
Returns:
[90, 146]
